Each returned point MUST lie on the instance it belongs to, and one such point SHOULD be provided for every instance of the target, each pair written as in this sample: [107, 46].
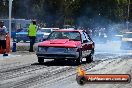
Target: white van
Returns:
[47, 31]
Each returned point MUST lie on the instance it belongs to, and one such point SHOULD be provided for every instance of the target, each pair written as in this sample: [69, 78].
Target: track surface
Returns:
[23, 70]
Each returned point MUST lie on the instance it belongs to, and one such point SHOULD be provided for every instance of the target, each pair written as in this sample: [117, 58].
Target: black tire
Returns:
[89, 58]
[40, 60]
[79, 59]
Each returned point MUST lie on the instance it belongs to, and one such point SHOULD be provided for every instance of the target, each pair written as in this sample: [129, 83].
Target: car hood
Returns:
[60, 43]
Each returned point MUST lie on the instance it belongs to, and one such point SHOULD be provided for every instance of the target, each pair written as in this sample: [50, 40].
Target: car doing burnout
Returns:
[66, 44]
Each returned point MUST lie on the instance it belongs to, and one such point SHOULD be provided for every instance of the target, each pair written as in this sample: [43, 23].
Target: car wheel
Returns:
[40, 60]
[79, 59]
[89, 58]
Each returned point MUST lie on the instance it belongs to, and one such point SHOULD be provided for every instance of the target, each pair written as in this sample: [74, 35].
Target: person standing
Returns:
[3, 32]
[32, 34]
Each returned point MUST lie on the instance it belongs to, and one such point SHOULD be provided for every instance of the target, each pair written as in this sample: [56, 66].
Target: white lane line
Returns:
[7, 57]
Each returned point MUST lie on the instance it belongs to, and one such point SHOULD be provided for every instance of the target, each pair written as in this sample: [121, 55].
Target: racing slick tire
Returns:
[79, 59]
[40, 60]
[89, 58]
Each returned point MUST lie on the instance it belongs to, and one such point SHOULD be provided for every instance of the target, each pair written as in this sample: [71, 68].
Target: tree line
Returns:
[72, 12]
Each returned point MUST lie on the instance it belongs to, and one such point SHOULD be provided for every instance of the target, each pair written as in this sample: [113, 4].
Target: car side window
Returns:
[87, 37]
[83, 37]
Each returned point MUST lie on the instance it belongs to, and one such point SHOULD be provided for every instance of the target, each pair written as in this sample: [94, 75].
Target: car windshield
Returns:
[65, 35]
[128, 35]
[46, 30]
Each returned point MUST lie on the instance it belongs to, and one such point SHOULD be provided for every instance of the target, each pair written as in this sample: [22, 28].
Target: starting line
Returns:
[8, 57]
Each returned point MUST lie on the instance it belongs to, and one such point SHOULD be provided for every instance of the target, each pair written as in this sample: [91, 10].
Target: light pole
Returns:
[128, 15]
[10, 10]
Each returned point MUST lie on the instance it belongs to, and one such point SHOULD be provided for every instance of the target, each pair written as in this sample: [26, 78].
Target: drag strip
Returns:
[34, 74]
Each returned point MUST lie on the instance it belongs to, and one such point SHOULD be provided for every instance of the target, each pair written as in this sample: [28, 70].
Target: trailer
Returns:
[16, 25]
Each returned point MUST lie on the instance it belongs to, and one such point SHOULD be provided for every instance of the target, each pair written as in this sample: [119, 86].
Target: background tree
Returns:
[91, 13]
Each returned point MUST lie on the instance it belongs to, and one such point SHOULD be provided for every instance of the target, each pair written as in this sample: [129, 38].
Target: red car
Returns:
[66, 44]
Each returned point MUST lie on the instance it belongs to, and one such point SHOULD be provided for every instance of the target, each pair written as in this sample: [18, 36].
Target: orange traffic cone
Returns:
[81, 71]
[7, 43]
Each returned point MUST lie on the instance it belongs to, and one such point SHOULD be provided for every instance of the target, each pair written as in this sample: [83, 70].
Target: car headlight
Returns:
[41, 49]
[71, 49]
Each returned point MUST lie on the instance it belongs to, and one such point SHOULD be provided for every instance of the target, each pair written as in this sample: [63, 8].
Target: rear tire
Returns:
[40, 60]
[89, 58]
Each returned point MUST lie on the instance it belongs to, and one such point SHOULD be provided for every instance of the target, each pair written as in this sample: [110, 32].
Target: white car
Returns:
[127, 41]
[47, 31]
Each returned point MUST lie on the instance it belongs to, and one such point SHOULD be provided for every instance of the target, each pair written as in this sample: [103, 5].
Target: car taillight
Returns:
[90, 46]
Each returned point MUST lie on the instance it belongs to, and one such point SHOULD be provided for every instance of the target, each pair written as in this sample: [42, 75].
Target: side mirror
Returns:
[85, 41]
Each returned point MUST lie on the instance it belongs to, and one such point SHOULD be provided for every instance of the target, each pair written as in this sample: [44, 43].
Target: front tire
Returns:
[89, 58]
[40, 60]
[79, 59]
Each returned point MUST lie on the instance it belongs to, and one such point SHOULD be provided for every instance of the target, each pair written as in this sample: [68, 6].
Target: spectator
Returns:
[32, 34]
[3, 32]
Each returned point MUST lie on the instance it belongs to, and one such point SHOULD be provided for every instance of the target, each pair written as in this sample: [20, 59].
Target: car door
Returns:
[86, 45]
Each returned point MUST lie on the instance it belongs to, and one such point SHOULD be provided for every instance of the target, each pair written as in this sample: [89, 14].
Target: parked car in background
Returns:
[23, 35]
[117, 37]
[126, 42]
[70, 27]
[66, 45]
[100, 38]
[47, 31]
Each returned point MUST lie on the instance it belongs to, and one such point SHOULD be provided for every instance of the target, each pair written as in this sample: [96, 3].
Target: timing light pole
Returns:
[10, 10]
